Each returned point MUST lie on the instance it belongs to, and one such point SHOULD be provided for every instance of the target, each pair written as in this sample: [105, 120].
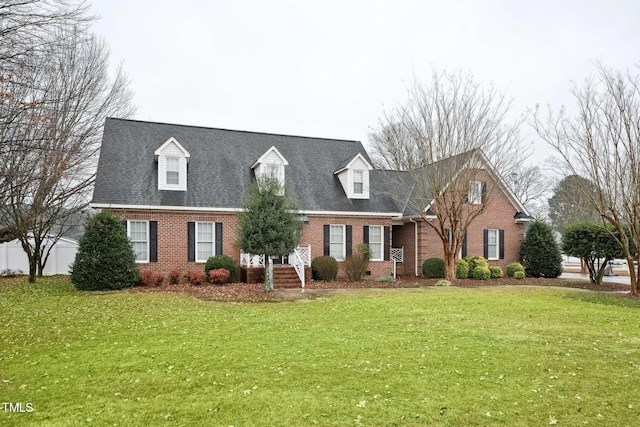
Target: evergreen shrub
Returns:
[482, 273]
[513, 267]
[219, 276]
[519, 274]
[462, 269]
[196, 278]
[540, 252]
[324, 268]
[105, 259]
[221, 261]
[433, 268]
[496, 272]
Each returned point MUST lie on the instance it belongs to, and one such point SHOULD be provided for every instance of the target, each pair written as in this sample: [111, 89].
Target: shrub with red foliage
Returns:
[175, 277]
[219, 275]
[196, 277]
[149, 278]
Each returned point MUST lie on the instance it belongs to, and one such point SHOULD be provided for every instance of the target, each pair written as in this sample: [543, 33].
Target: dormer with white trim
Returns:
[172, 161]
[272, 164]
[354, 177]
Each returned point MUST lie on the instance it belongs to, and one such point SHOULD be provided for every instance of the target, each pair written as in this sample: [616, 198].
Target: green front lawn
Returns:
[483, 356]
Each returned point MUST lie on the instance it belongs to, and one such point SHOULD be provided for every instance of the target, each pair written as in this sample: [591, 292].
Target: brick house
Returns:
[179, 188]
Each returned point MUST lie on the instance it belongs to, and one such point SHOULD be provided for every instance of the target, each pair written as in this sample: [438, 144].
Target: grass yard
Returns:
[447, 356]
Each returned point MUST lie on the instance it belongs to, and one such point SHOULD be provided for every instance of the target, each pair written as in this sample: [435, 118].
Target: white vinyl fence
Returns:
[62, 255]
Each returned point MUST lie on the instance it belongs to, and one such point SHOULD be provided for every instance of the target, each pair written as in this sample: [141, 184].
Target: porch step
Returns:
[285, 276]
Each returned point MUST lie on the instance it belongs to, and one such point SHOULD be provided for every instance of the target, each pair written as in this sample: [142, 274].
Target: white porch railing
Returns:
[397, 255]
[298, 259]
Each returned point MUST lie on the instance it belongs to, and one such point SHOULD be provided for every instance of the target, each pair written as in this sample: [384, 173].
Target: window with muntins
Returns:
[205, 241]
[475, 192]
[358, 182]
[173, 170]
[492, 244]
[337, 242]
[139, 236]
[375, 242]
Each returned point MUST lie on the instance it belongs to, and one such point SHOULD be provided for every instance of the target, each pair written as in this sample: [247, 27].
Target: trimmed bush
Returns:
[355, 266]
[519, 274]
[475, 262]
[175, 277]
[196, 277]
[513, 267]
[324, 268]
[105, 258]
[496, 272]
[221, 261]
[149, 278]
[433, 268]
[443, 283]
[540, 253]
[482, 273]
[219, 276]
[462, 269]
[384, 279]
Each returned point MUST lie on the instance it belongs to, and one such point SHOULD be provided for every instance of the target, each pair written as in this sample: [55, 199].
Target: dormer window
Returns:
[358, 182]
[172, 161]
[272, 164]
[173, 171]
[354, 177]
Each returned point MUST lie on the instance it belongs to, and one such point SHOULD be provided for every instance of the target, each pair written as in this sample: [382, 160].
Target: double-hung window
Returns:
[205, 241]
[376, 242]
[337, 242]
[173, 170]
[493, 242]
[139, 236]
[475, 192]
[358, 182]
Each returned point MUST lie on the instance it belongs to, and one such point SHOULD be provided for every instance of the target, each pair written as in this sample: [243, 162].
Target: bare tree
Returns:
[530, 185]
[50, 145]
[443, 138]
[601, 142]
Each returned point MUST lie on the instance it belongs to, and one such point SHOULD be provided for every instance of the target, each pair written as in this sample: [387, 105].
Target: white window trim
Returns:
[213, 241]
[475, 192]
[344, 241]
[360, 173]
[497, 244]
[167, 171]
[381, 243]
[129, 221]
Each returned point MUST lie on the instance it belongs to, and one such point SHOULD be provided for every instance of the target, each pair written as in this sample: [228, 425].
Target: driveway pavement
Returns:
[614, 279]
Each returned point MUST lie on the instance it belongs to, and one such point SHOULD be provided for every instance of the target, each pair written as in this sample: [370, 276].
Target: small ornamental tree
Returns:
[540, 253]
[595, 243]
[269, 223]
[105, 258]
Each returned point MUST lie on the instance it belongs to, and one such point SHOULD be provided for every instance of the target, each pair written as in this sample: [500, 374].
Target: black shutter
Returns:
[387, 243]
[365, 234]
[464, 245]
[486, 243]
[327, 241]
[349, 248]
[501, 244]
[218, 238]
[153, 241]
[124, 225]
[191, 241]
[484, 191]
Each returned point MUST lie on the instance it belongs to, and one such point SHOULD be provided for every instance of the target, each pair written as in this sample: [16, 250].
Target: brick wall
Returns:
[172, 237]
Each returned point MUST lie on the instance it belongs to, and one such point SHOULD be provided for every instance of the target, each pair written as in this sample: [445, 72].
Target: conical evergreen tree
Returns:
[540, 252]
[105, 258]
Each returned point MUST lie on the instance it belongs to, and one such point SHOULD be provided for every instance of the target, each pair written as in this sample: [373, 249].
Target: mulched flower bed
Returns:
[254, 292]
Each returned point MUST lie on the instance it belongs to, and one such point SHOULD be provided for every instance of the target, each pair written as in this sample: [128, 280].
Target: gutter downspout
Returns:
[415, 250]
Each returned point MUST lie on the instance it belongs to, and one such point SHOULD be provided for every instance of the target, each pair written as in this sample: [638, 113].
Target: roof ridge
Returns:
[235, 130]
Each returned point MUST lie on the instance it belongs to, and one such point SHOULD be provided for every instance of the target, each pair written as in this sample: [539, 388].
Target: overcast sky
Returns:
[330, 68]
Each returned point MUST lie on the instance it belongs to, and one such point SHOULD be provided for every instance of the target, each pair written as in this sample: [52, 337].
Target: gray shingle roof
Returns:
[219, 170]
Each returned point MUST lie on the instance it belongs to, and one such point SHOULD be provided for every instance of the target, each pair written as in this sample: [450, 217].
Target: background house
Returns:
[179, 187]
